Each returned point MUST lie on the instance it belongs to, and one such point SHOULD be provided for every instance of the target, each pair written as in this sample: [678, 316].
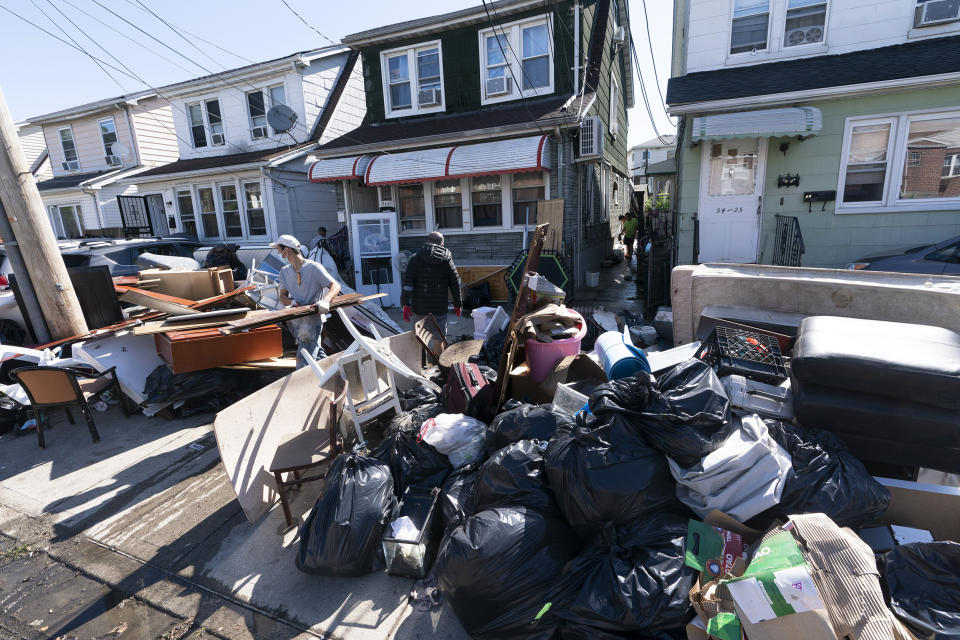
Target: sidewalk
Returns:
[153, 517]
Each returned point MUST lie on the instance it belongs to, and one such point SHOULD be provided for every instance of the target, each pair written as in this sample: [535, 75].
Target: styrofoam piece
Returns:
[135, 358]
[663, 360]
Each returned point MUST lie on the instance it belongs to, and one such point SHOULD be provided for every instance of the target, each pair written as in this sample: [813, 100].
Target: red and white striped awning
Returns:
[484, 158]
[338, 169]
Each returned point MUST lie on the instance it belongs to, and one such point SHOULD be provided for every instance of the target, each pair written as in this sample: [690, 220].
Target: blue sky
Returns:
[51, 75]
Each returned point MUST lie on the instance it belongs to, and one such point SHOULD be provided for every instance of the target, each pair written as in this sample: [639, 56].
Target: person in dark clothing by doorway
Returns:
[429, 275]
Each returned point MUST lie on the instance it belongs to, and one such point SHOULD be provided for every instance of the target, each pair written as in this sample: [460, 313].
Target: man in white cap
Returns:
[305, 282]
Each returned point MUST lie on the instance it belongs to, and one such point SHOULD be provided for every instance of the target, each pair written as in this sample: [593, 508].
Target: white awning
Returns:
[338, 169]
[484, 158]
[502, 156]
[768, 123]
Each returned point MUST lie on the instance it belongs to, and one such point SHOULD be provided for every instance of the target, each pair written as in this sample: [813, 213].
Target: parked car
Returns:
[117, 254]
[942, 258]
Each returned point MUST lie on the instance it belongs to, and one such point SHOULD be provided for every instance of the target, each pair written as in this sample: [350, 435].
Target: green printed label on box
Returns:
[725, 626]
[711, 549]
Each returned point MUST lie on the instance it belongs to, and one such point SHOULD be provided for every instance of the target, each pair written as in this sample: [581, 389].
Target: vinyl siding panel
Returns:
[156, 137]
[302, 207]
[32, 143]
[109, 207]
[318, 80]
[89, 145]
[350, 110]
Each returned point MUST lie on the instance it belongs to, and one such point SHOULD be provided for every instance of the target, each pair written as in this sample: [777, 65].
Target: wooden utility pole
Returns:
[33, 233]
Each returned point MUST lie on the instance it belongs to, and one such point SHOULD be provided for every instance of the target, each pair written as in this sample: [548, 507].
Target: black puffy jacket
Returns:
[430, 273]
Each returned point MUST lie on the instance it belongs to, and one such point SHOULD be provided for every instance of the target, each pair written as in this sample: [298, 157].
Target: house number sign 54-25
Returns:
[730, 210]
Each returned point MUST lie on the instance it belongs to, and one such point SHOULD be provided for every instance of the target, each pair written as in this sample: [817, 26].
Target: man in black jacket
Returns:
[429, 275]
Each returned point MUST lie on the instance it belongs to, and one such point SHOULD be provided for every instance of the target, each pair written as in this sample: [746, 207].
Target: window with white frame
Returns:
[413, 80]
[413, 215]
[447, 204]
[909, 161]
[751, 21]
[256, 220]
[805, 22]
[188, 219]
[517, 60]
[70, 162]
[67, 220]
[205, 116]
[257, 114]
[486, 198]
[231, 211]
[208, 212]
[108, 135]
[528, 190]
[930, 13]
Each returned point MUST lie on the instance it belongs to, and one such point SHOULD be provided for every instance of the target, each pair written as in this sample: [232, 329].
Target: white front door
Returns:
[731, 192]
[375, 243]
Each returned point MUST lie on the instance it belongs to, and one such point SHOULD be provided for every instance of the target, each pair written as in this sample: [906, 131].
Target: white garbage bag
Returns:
[742, 478]
[459, 437]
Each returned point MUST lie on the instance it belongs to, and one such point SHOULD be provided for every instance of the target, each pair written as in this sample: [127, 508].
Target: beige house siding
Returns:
[156, 137]
[86, 201]
[86, 137]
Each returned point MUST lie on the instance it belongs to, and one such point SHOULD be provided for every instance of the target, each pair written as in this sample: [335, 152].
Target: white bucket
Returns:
[593, 279]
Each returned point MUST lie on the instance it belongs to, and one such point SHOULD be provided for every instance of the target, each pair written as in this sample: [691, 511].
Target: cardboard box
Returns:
[186, 351]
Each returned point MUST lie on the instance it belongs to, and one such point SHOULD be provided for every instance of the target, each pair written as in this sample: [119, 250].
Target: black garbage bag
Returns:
[515, 477]
[493, 347]
[527, 421]
[826, 478]
[923, 587]
[215, 387]
[342, 534]
[417, 397]
[498, 571]
[412, 420]
[457, 500]
[574, 631]
[412, 462]
[12, 333]
[604, 472]
[631, 578]
[686, 415]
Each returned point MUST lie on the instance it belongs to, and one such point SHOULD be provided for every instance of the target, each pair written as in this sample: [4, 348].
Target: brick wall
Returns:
[474, 248]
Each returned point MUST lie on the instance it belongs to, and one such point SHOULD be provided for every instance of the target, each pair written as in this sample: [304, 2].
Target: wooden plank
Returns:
[155, 301]
[165, 326]
[472, 275]
[551, 212]
[283, 315]
[207, 303]
[192, 285]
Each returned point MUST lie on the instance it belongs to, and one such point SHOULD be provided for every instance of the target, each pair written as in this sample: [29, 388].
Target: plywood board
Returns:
[193, 285]
[249, 432]
[135, 358]
[551, 212]
[498, 286]
[165, 326]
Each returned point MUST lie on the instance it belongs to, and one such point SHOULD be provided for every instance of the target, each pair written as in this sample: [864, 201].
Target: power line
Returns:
[643, 93]
[653, 59]
[294, 12]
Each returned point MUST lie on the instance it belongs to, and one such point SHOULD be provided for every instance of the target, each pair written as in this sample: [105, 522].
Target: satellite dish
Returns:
[281, 118]
[401, 260]
[119, 149]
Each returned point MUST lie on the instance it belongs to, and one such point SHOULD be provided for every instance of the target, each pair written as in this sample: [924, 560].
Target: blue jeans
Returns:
[309, 334]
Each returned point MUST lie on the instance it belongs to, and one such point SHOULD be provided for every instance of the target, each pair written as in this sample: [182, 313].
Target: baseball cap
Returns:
[286, 240]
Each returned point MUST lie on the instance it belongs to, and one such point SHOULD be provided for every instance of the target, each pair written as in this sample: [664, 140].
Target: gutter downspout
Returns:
[576, 49]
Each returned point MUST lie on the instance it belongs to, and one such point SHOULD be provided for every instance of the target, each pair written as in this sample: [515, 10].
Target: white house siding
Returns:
[45, 171]
[89, 144]
[86, 201]
[350, 109]
[109, 207]
[300, 206]
[318, 81]
[891, 22]
[153, 126]
[32, 142]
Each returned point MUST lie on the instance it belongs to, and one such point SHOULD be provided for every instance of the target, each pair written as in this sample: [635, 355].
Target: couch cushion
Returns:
[913, 362]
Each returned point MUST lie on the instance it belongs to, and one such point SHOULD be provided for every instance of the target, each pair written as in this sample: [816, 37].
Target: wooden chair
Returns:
[49, 387]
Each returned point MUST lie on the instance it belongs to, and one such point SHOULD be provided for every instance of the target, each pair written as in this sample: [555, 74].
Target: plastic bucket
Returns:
[593, 279]
[619, 358]
[543, 357]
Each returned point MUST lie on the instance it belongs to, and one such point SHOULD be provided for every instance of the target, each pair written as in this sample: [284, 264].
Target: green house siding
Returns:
[615, 148]
[831, 239]
[461, 62]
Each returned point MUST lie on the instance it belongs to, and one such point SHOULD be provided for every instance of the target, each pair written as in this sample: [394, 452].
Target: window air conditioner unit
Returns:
[937, 11]
[218, 138]
[72, 165]
[620, 35]
[497, 86]
[259, 132]
[429, 97]
[113, 161]
[591, 137]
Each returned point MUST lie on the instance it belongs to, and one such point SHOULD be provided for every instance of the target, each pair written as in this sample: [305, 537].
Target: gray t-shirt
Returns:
[308, 289]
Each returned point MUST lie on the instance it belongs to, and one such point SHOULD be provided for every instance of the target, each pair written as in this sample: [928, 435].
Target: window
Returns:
[805, 22]
[614, 106]
[413, 80]
[867, 163]
[487, 201]
[205, 116]
[256, 221]
[934, 12]
[278, 96]
[208, 212]
[108, 134]
[187, 217]
[257, 113]
[413, 215]
[70, 218]
[527, 191]
[231, 211]
[447, 204]
[733, 168]
[69, 149]
[908, 162]
[517, 60]
[750, 25]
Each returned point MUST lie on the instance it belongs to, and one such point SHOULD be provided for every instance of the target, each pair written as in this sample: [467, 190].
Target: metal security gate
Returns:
[135, 216]
[788, 244]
